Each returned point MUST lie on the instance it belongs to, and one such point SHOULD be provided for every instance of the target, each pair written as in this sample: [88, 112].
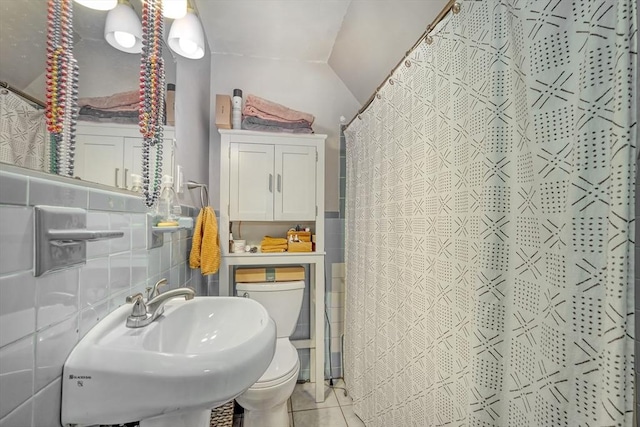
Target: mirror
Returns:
[103, 72]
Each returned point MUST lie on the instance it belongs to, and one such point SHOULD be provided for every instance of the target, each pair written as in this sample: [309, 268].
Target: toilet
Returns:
[265, 402]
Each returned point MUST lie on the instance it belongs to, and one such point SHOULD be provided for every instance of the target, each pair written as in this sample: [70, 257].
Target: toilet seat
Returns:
[285, 363]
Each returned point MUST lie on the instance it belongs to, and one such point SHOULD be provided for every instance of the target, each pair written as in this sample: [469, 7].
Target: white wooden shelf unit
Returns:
[278, 179]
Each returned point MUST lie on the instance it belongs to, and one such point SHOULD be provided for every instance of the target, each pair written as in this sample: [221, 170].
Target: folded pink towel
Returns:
[118, 101]
[264, 109]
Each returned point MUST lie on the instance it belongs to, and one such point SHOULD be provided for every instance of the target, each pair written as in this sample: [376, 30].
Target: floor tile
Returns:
[339, 389]
[325, 417]
[303, 397]
[352, 419]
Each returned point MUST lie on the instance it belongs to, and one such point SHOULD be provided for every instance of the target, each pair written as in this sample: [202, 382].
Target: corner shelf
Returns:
[169, 229]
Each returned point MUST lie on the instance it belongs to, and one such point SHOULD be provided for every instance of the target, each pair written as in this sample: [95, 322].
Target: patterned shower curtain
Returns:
[490, 208]
[23, 133]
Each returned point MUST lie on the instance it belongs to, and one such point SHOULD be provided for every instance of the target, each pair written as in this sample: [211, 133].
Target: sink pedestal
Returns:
[199, 418]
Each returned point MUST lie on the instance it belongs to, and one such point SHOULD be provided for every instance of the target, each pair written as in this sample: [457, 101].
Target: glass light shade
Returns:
[174, 9]
[123, 30]
[186, 37]
[125, 39]
[98, 4]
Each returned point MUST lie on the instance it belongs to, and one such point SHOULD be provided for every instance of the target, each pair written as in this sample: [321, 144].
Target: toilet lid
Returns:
[284, 362]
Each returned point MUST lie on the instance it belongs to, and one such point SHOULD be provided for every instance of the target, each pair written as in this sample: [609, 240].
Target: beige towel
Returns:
[264, 109]
[205, 248]
[119, 101]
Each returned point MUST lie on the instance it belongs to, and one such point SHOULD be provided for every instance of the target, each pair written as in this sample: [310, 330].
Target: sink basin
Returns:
[198, 355]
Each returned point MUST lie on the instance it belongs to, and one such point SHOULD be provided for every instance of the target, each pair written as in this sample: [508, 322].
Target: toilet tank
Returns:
[283, 301]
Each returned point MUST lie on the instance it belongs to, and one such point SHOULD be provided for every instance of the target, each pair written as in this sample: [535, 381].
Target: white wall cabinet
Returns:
[272, 182]
[273, 179]
[109, 153]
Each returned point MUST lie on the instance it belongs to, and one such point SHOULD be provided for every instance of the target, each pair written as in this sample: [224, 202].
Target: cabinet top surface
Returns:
[231, 132]
[117, 125]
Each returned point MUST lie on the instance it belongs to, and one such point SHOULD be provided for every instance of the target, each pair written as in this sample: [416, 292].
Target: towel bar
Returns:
[61, 237]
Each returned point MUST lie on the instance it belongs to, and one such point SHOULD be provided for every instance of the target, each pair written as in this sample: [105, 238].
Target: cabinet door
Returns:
[251, 182]
[295, 196]
[99, 159]
[133, 158]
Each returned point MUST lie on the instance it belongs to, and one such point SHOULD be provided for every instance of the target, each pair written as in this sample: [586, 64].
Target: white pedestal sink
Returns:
[198, 355]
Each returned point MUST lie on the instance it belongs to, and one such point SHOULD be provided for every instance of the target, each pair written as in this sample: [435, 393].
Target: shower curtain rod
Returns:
[22, 94]
[451, 5]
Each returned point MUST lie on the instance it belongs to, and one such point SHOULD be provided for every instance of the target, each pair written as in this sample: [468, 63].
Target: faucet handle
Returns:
[156, 288]
[133, 298]
[139, 309]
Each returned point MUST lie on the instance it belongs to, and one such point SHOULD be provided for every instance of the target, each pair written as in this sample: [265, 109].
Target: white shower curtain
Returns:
[23, 133]
[490, 208]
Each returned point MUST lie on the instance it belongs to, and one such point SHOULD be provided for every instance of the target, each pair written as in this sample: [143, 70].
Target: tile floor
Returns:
[335, 411]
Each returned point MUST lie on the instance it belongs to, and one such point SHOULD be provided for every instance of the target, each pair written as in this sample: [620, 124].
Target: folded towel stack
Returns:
[262, 115]
[119, 108]
[273, 244]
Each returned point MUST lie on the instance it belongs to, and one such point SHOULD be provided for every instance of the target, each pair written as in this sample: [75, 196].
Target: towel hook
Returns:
[204, 192]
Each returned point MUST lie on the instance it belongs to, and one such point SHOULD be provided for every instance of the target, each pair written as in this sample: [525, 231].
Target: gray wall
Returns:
[193, 79]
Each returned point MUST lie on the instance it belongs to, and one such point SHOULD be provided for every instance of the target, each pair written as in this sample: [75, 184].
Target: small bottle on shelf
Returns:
[236, 117]
[136, 185]
[168, 209]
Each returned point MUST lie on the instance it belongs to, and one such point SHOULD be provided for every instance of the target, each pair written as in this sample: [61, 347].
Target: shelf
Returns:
[272, 254]
[184, 223]
[155, 235]
[168, 229]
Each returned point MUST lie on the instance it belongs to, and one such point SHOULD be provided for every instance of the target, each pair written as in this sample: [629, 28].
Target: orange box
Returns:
[303, 236]
[223, 111]
[299, 246]
[269, 274]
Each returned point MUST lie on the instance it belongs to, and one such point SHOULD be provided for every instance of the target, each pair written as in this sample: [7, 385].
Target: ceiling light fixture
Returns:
[174, 9]
[186, 37]
[122, 28]
[98, 4]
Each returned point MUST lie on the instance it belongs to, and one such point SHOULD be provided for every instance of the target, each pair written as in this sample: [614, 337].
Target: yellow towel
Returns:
[205, 248]
[268, 240]
[272, 250]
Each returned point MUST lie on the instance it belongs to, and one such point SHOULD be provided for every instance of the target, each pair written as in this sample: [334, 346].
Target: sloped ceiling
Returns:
[280, 29]
[360, 39]
[374, 37]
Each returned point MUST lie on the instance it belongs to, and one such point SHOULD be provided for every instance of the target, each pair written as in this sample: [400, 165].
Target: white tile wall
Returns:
[46, 408]
[95, 277]
[16, 371]
[53, 345]
[41, 319]
[16, 229]
[56, 296]
[98, 221]
[18, 306]
[336, 304]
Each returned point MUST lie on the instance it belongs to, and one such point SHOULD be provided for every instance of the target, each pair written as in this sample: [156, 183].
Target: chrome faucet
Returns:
[143, 314]
[155, 291]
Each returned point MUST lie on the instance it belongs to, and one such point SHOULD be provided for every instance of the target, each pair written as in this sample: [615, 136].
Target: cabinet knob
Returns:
[270, 183]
